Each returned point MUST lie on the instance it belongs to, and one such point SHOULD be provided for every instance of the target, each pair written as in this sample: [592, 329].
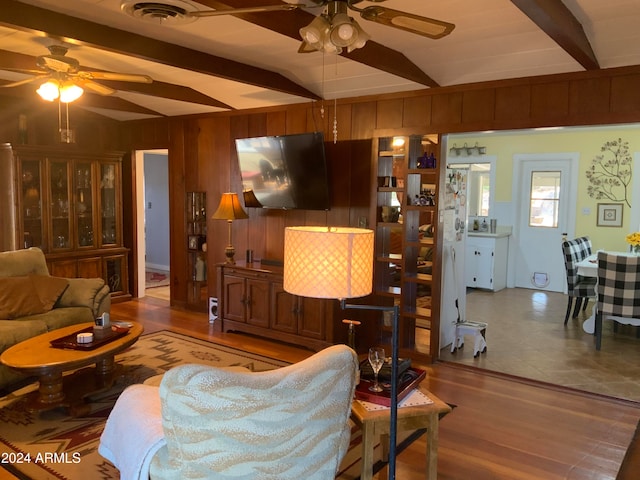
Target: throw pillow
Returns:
[29, 295]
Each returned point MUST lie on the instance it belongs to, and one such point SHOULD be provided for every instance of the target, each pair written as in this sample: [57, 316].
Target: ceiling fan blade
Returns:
[306, 48]
[94, 87]
[427, 27]
[122, 77]
[25, 81]
[233, 11]
[24, 71]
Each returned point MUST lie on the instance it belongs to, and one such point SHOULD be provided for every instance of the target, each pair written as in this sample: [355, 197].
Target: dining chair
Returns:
[578, 287]
[618, 286]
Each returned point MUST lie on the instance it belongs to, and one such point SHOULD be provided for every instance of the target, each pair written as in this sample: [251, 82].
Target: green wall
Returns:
[587, 142]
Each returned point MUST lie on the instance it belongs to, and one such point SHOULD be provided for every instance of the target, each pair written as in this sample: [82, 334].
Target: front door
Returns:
[546, 190]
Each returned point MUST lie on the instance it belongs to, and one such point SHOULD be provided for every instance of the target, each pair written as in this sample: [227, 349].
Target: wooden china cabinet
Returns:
[69, 203]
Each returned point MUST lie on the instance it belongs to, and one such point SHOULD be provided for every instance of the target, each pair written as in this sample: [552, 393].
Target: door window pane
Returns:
[545, 199]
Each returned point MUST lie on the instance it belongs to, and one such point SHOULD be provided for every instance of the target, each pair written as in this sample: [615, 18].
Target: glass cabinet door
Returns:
[31, 192]
[61, 233]
[108, 203]
[84, 204]
[115, 268]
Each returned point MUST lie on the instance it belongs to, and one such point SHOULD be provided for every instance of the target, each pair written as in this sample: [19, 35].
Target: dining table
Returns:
[589, 268]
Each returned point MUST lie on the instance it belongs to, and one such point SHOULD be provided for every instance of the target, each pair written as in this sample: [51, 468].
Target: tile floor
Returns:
[526, 337]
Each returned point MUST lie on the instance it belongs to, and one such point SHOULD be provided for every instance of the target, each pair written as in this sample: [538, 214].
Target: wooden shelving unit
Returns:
[406, 244]
[196, 242]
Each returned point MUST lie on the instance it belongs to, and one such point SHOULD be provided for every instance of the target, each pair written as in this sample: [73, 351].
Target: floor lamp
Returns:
[230, 209]
[337, 262]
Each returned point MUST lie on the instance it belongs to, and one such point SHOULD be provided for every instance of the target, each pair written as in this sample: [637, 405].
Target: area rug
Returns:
[156, 279]
[54, 445]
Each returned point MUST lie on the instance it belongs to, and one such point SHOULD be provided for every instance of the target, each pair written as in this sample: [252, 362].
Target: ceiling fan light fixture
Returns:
[361, 40]
[70, 92]
[343, 31]
[332, 33]
[316, 32]
[49, 90]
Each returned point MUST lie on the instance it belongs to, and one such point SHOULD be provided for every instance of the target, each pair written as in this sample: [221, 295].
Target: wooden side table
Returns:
[409, 418]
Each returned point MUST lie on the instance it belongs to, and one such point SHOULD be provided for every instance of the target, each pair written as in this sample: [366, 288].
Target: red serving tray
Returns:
[408, 382]
[100, 337]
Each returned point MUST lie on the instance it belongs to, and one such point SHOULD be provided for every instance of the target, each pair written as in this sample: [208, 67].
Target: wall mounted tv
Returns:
[286, 171]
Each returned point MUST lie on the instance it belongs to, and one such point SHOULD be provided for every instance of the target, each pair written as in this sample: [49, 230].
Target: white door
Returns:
[546, 192]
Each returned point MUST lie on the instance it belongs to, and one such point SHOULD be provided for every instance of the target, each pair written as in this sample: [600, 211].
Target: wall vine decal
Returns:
[610, 172]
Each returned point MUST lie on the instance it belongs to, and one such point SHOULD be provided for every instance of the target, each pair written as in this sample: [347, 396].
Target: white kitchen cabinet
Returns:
[486, 260]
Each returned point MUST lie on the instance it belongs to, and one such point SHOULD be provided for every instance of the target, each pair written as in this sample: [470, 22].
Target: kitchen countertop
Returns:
[501, 231]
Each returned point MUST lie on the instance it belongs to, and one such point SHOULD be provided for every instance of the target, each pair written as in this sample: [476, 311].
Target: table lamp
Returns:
[230, 210]
[337, 262]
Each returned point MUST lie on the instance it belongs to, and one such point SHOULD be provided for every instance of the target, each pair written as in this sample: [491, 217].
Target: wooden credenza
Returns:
[251, 299]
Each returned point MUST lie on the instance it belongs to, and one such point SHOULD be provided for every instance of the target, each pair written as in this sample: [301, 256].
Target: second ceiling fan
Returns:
[331, 31]
[64, 78]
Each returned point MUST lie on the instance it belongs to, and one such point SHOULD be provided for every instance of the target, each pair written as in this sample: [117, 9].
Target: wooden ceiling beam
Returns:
[289, 24]
[18, 61]
[110, 102]
[25, 17]
[557, 21]
[167, 90]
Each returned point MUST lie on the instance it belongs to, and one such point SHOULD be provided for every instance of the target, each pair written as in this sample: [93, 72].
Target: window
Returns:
[545, 199]
[484, 192]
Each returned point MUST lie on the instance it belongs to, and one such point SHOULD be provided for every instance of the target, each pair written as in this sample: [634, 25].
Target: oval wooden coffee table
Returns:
[36, 356]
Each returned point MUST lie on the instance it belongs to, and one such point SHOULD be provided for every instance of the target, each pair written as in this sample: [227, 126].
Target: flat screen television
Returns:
[286, 171]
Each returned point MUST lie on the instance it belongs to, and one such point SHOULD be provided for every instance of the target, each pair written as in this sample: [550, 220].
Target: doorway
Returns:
[545, 189]
[152, 203]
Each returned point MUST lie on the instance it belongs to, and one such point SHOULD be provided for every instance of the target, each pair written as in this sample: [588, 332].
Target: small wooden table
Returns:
[409, 418]
[36, 356]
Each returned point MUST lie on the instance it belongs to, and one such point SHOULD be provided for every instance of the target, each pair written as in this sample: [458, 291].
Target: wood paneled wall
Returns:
[202, 154]
[92, 132]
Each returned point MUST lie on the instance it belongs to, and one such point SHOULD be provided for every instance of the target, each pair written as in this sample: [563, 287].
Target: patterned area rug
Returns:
[156, 279]
[54, 445]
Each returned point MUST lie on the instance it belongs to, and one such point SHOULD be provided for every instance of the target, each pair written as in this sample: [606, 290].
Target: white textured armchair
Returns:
[289, 423]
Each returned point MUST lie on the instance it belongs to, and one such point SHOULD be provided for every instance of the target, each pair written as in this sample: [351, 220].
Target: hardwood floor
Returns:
[526, 337]
[503, 427]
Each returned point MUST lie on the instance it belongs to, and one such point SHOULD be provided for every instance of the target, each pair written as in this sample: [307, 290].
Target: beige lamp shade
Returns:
[328, 262]
[230, 208]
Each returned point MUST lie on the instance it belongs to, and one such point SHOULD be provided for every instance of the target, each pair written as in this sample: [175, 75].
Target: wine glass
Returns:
[376, 359]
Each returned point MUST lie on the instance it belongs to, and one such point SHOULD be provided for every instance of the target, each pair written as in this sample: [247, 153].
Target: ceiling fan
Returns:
[64, 78]
[331, 31]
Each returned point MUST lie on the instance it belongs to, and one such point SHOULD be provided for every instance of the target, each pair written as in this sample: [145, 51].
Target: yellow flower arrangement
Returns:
[633, 239]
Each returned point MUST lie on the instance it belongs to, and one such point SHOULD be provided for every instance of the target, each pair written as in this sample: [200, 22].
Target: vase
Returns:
[636, 250]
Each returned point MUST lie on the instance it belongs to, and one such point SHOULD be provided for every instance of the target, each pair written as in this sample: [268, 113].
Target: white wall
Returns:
[156, 212]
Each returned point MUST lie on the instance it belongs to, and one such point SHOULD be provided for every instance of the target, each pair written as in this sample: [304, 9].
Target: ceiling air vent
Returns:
[168, 12]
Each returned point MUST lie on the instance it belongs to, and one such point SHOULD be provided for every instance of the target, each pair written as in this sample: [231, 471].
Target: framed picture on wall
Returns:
[610, 215]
